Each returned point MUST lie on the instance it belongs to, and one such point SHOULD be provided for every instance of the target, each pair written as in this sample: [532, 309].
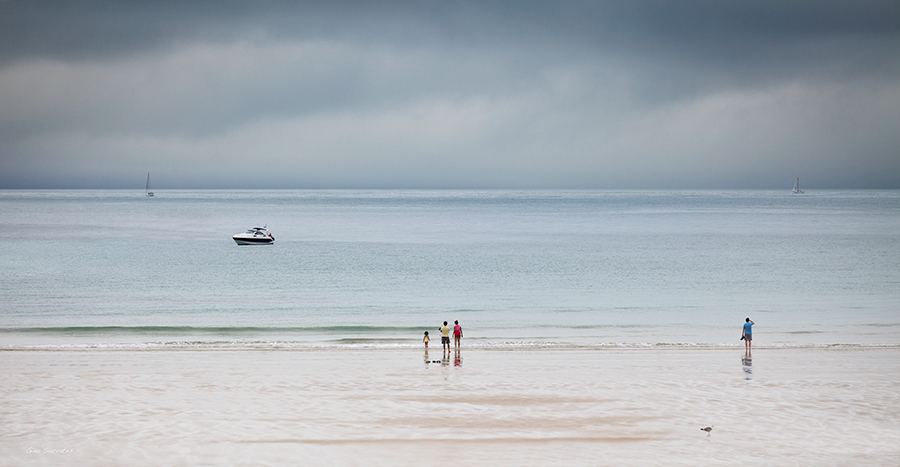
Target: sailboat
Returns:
[149, 193]
[797, 189]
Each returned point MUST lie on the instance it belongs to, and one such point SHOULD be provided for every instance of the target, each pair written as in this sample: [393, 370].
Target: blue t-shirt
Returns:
[748, 328]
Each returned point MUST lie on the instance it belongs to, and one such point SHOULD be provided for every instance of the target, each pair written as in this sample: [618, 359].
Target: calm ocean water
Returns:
[377, 268]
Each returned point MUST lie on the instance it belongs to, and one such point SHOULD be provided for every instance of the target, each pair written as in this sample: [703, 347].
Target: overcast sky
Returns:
[450, 94]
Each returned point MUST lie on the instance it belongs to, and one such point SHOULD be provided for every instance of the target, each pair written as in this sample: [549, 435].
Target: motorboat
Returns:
[255, 236]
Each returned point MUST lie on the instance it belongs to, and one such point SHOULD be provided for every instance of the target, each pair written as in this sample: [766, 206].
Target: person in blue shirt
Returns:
[747, 335]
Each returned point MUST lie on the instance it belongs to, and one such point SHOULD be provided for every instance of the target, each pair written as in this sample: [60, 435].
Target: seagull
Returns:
[707, 429]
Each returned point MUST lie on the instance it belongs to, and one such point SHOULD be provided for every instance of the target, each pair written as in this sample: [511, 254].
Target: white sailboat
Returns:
[797, 189]
[149, 193]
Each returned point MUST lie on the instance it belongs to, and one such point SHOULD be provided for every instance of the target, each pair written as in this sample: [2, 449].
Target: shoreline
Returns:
[402, 347]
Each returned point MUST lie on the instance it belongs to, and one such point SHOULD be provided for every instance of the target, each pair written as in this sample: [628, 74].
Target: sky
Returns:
[620, 94]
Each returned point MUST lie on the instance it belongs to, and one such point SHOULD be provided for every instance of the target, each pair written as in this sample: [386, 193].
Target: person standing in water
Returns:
[426, 339]
[445, 337]
[748, 334]
[457, 333]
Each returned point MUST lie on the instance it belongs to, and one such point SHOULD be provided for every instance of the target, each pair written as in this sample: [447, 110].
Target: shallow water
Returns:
[480, 407]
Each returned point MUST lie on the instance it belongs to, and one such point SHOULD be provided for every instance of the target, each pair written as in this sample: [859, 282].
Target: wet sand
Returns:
[477, 407]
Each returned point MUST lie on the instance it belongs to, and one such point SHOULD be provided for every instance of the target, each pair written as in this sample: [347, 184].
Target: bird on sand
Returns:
[707, 429]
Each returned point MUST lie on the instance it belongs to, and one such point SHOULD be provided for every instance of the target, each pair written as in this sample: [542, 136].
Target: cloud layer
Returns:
[450, 94]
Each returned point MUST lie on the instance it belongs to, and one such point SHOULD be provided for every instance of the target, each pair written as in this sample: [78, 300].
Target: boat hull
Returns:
[241, 240]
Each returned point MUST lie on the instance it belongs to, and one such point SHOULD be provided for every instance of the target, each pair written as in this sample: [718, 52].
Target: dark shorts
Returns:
[445, 340]
[748, 337]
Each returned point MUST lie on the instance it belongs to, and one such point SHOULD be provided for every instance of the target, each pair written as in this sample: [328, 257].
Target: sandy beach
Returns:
[477, 407]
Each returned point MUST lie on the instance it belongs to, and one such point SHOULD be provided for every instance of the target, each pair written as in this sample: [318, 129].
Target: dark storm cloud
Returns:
[739, 32]
[734, 31]
[108, 30]
[582, 94]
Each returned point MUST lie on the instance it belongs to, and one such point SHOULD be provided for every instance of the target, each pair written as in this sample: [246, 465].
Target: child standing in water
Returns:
[426, 339]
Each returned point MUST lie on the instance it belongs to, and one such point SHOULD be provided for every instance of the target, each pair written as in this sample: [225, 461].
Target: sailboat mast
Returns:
[148, 192]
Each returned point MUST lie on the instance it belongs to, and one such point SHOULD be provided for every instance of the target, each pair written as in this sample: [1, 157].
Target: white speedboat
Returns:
[254, 236]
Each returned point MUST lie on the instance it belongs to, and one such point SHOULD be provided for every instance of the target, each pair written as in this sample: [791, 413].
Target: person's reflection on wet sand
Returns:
[445, 359]
[747, 363]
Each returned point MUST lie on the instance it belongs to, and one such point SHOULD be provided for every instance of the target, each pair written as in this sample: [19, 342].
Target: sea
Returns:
[599, 328]
[357, 268]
